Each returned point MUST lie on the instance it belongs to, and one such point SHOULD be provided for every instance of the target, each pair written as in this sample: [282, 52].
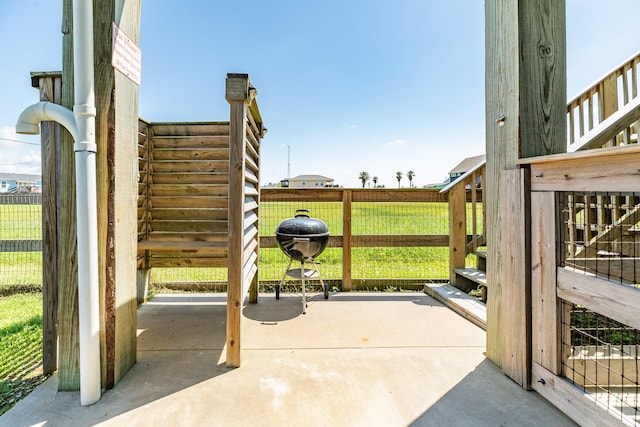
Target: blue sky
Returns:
[346, 86]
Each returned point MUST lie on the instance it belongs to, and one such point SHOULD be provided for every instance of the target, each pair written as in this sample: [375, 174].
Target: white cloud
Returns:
[18, 154]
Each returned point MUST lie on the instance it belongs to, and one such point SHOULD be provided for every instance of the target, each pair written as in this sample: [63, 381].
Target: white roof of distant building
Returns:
[310, 178]
[467, 164]
[20, 177]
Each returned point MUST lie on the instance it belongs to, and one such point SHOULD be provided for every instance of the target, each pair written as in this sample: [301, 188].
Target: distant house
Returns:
[20, 183]
[464, 166]
[307, 181]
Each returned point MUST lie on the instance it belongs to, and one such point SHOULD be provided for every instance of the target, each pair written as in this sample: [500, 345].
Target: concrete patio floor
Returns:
[356, 359]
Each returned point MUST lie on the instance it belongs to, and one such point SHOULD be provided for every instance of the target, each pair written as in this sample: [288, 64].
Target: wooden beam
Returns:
[544, 302]
[525, 115]
[516, 292]
[67, 274]
[581, 407]
[346, 240]
[457, 230]
[604, 170]
[237, 96]
[610, 299]
[50, 87]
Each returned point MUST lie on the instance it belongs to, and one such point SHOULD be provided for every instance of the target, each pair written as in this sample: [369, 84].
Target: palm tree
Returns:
[410, 176]
[375, 181]
[364, 177]
[399, 178]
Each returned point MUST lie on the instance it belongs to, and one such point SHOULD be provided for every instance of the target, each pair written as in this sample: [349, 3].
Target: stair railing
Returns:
[606, 97]
[467, 216]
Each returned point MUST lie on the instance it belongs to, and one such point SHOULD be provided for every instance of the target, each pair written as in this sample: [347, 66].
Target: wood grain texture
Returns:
[525, 83]
[545, 306]
[618, 302]
[457, 230]
[515, 278]
[50, 90]
[67, 277]
[346, 240]
[237, 132]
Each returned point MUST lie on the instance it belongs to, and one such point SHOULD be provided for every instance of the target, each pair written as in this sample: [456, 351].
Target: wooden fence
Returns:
[348, 240]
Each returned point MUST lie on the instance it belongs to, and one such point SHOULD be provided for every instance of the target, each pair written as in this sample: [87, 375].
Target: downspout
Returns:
[81, 125]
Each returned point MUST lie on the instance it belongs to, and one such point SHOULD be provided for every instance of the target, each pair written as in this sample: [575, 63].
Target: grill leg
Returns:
[304, 294]
[283, 279]
[325, 288]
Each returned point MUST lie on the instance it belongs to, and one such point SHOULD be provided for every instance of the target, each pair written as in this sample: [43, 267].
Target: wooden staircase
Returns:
[460, 301]
[607, 114]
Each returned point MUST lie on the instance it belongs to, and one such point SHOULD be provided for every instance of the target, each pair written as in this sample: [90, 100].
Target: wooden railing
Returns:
[348, 240]
[565, 290]
[467, 218]
[614, 94]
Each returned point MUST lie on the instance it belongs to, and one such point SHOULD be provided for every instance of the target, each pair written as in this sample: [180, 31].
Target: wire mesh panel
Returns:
[390, 236]
[602, 234]
[273, 261]
[407, 241]
[20, 239]
[600, 356]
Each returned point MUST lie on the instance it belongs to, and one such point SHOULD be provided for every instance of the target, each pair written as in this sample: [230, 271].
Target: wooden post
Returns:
[237, 94]
[50, 86]
[545, 313]
[67, 274]
[516, 302]
[116, 167]
[526, 116]
[346, 241]
[457, 229]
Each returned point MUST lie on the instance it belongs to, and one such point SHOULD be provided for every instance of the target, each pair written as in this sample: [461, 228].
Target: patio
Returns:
[389, 359]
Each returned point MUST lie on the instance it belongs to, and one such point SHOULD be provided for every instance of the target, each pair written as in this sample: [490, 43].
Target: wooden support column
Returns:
[346, 241]
[458, 229]
[526, 117]
[116, 169]
[50, 86]
[67, 274]
[516, 293]
[237, 94]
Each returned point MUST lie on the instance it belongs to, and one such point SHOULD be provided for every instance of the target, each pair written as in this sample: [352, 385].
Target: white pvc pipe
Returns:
[44, 111]
[81, 125]
[86, 199]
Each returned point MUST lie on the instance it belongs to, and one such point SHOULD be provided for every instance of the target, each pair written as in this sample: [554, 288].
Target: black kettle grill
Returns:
[302, 239]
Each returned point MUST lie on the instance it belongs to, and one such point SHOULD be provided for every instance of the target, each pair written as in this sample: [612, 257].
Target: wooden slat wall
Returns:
[251, 242]
[183, 194]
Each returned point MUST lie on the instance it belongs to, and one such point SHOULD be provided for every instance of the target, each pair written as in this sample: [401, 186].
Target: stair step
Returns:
[477, 276]
[480, 253]
[463, 304]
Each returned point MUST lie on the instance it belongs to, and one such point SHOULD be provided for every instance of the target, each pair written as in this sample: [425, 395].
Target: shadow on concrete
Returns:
[486, 397]
[180, 344]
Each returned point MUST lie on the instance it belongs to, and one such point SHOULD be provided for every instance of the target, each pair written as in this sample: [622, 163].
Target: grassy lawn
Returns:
[20, 347]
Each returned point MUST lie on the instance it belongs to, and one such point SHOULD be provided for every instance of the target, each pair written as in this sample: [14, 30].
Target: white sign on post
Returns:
[126, 57]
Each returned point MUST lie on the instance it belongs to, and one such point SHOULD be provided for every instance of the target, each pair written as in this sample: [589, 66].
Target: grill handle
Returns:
[301, 239]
